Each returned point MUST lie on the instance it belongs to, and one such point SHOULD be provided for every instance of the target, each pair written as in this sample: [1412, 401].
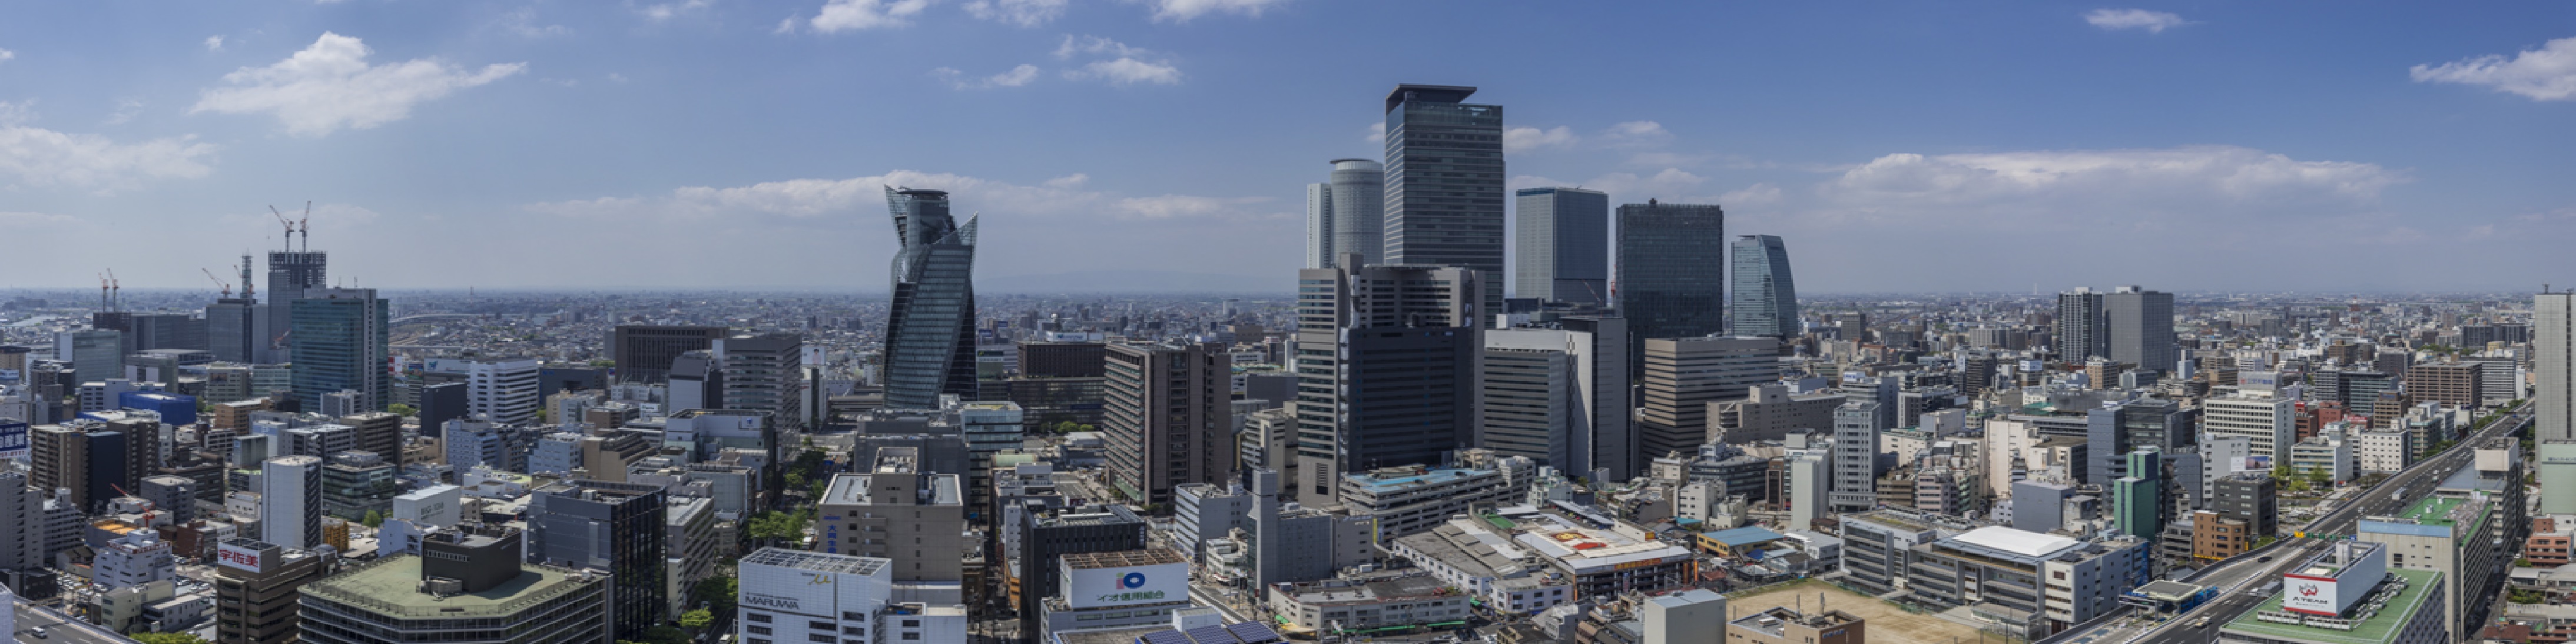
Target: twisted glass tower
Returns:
[1765, 301]
[930, 334]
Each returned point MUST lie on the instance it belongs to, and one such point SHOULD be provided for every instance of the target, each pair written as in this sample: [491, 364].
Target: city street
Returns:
[59, 630]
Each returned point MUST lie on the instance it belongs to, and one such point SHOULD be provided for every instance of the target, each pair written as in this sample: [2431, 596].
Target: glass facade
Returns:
[340, 344]
[1564, 246]
[1765, 299]
[1670, 285]
[1444, 182]
[930, 334]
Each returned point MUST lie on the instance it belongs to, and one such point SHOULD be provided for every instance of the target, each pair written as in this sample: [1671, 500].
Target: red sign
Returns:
[240, 558]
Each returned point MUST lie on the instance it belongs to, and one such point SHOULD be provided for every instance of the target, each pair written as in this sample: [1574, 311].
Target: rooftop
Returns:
[1123, 558]
[815, 561]
[1379, 482]
[1743, 536]
[2380, 628]
[2020, 542]
[393, 586]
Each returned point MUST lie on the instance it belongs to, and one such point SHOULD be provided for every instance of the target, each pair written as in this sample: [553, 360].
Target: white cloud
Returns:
[1025, 13]
[1184, 10]
[330, 85]
[2155, 22]
[523, 22]
[1094, 45]
[2547, 73]
[665, 11]
[1377, 132]
[1018, 76]
[5, 55]
[846, 15]
[1127, 71]
[1756, 195]
[812, 198]
[2087, 178]
[1670, 184]
[214, 43]
[41, 158]
[126, 109]
[1524, 139]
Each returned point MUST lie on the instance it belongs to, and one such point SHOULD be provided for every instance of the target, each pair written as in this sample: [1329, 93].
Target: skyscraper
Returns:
[341, 344]
[1669, 286]
[290, 501]
[1684, 375]
[97, 355]
[1347, 214]
[1393, 379]
[2554, 343]
[290, 274]
[233, 328]
[1857, 427]
[1166, 418]
[1563, 246]
[2083, 329]
[1444, 183]
[2141, 326]
[644, 352]
[930, 334]
[1766, 299]
[1560, 396]
[617, 527]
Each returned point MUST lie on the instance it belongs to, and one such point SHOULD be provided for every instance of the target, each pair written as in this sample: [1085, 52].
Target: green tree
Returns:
[167, 638]
[403, 410]
[717, 593]
[697, 620]
[603, 363]
[373, 519]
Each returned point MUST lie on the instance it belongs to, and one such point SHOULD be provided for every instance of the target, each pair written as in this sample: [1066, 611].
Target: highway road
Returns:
[2411, 485]
[58, 630]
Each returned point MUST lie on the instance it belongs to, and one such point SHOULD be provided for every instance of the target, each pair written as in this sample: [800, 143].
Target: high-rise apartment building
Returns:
[1857, 427]
[617, 527]
[340, 344]
[644, 352]
[2082, 328]
[1684, 375]
[1444, 183]
[1562, 246]
[2553, 348]
[897, 511]
[2141, 328]
[1386, 367]
[1347, 214]
[290, 501]
[1560, 396]
[930, 332]
[1765, 301]
[1670, 286]
[1166, 418]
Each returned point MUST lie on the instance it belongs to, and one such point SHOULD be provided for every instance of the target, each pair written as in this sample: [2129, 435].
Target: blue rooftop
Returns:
[1743, 536]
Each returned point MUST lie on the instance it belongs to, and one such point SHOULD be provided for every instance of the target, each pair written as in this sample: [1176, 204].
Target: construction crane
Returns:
[219, 282]
[292, 225]
[116, 290]
[102, 292]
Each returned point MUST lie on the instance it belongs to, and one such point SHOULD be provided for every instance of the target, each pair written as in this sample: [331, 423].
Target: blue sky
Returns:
[714, 143]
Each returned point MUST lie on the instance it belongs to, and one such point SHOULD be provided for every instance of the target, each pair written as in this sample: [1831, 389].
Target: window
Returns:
[854, 616]
[911, 636]
[825, 639]
[757, 630]
[912, 623]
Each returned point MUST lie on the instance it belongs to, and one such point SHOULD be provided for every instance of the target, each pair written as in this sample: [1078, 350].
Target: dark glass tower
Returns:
[1444, 182]
[930, 335]
[1671, 283]
[341, 337]
[1564, 245]
[1765, 299]
[617, 527]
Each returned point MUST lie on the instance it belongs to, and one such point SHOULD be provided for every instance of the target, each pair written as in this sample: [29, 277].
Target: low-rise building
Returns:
[1478, 556]
[1118, 589]
[1341, 607]
[1785, 625]
[467, 586]
[795, 596]
[2328, 604]
[1412, 499]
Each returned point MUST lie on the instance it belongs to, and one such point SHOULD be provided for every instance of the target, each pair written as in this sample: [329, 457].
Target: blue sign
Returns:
[13, 437]
[1132, 580]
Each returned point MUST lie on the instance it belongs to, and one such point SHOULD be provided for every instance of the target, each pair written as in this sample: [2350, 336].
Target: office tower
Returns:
[1560, 397]
[1562, 246]
[697, 381]
[256, 591]
[1047, 535]
[378, 432]
[1684, 375]
[22, 549]
[1166, 419]
[1347, 214]
[290, 273]
[2137, 499]
[176, 495]
[149, 331]
[357, 482]
[1671, 284]
[930, 332]
[2117, 429]
[340, 344]
[1857, 427]
[1765, 302]
[2083, 328]
[233, 329]
[644, 352]
[1062, 359]
[97, 355]
[440, 403]
[1444, 183]
[1398, 347]
[502, 390]
[2450, 383]
[901, 511]
[617, 527]
[2553, 348]
[290, 501]
[762, 372]
[468, 578]
[2267, 424]
[2140, 326]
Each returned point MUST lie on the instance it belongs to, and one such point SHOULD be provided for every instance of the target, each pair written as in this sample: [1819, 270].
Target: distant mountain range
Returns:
[1136, 282]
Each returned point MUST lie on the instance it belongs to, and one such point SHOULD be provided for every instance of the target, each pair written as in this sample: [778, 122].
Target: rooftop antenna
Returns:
[227, 288]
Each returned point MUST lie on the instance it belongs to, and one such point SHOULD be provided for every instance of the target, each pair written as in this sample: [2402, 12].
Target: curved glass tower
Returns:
[930, 334]
[1765, 299]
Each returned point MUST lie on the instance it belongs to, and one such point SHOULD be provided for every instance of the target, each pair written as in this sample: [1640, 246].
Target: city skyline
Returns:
[505, 129]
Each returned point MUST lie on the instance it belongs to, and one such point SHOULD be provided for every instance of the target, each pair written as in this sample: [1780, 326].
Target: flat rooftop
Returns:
[2379, 629]
[2020, 542]
[1434, 476]
[393, 586]
[815, 561]
[1123, 558]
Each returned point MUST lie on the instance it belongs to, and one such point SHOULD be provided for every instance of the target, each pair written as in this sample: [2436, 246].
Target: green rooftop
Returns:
[2379, 629]
[392, 586]
[2437, 510]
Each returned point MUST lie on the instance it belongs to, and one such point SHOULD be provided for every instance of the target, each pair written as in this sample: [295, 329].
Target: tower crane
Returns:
[219, 282]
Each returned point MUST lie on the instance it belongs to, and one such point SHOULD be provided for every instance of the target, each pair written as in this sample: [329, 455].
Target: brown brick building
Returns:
[2451, 383]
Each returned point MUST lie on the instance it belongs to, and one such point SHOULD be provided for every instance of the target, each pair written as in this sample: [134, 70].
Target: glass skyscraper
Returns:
[1444, 182]
[930, 334]
[1347, 215]
[340, 344]
[1669, 286]
[1564, 245]
[1765, 301]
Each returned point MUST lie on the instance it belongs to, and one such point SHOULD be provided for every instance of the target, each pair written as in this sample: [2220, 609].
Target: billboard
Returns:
[2310, 595]
[13, 439]
[1126, 585]
[237, 557]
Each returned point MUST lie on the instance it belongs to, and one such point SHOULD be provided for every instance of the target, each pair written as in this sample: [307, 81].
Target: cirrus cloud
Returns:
[2544, 74]
[1184, 10]
[2155, 22]
[330, 85]
[1025, 13]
